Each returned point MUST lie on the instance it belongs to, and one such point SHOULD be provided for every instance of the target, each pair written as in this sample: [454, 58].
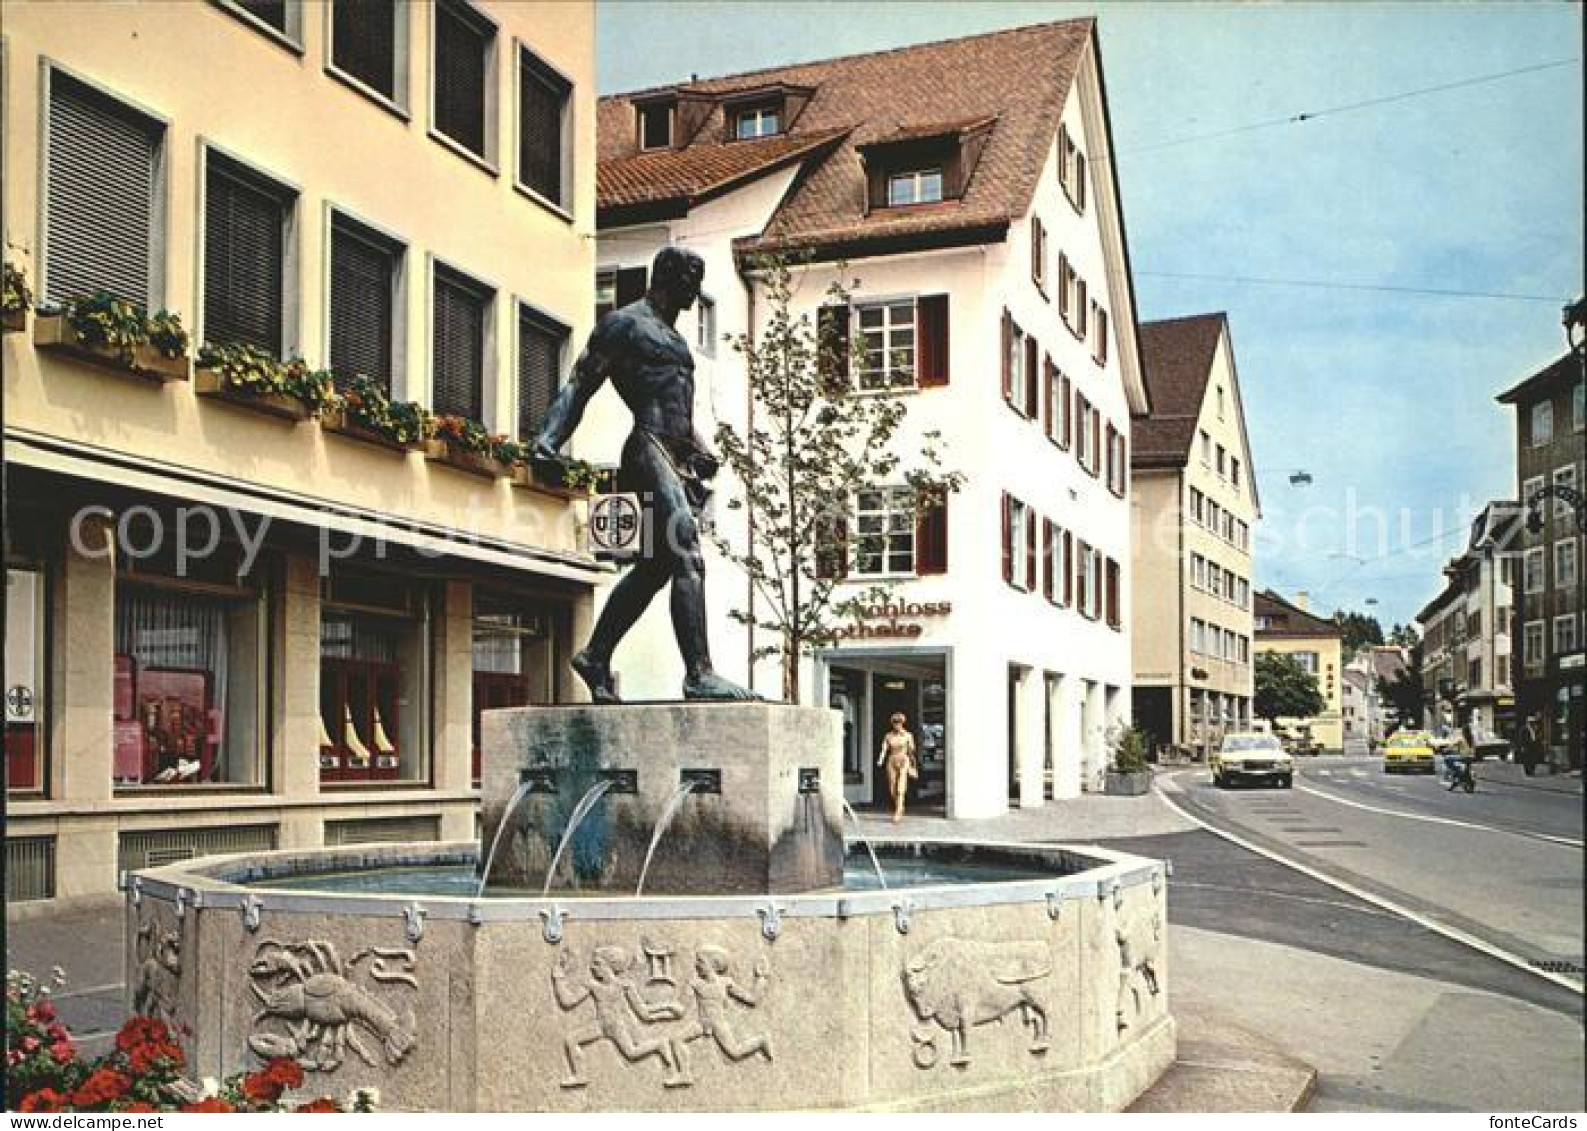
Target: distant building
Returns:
[1193, 507]
[1365, 716]
[1550, 421]
[1316, 643]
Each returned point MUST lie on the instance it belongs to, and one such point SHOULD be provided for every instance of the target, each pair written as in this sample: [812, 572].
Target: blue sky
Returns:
[1385, 398]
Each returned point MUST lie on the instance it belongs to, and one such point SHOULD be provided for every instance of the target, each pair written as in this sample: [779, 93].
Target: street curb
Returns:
[1569, 790]
[1227, 1070]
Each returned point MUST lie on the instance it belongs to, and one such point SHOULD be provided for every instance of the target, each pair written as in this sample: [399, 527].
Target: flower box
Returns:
[1133, 784]
[13, 321]
[339, 422]
[546, 480]
[212, 383]
[475, 463]
[52, 331]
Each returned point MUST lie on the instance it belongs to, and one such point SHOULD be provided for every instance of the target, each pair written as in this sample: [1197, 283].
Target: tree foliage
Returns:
[811, 443]
[1405, 693]
[1285, 689]
[1357, 631]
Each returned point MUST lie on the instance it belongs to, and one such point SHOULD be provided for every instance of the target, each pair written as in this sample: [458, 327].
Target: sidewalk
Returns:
[1491, 772]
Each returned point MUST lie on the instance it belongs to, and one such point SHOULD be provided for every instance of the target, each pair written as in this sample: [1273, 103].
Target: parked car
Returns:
[1252, 757]
[1409, 750]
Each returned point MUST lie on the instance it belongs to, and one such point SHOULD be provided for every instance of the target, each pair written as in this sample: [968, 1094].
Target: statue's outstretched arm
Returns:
[567, 408]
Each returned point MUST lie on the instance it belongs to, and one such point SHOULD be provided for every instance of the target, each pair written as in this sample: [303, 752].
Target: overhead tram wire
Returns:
[1318, 284]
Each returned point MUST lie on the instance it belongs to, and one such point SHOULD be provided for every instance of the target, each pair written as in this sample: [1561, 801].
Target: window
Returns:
[1198, 571]
[462, 309]
[1565, 566]
[1118, 462]
[1222, 462]
[1564, 635]
[1542, 423]
[1532, 644]
[542, 342]
[365, 281]
[1220, 402]
[103, 227]
[1087, 421]
[1085, 573]
[515, 658]
[1071, 297]
[917, 186]
[1234, 470]
[464, 69]
[655, 126]
[1530, 489]
[705, 326]
[1060, 406]
[1198, 636]
[1071, 169]
[245, 225]
[544, 140]
[1307, 661]
[1578, 406]
[25, 708]
[1198, 507]
[367, 44]
[189, 687]
[1245, 650]
[1532, 570]
[374, 679]
[884, 524]
[616, 287]
[1563, 477]
[887, 335]
[283, 17]
[1019, 544]
[1038, 254]
[1099, 341]
[1113, 611]
[1053, 539]
[757, 121]
[1206, 450]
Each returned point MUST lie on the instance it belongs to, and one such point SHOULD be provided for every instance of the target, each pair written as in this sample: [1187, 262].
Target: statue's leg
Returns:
[630, 597]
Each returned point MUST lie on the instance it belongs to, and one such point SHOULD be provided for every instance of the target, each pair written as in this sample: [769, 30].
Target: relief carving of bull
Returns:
[959, 983]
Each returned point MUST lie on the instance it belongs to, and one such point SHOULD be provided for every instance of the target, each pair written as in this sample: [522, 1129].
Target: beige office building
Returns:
[229, 628]
[1194, 503]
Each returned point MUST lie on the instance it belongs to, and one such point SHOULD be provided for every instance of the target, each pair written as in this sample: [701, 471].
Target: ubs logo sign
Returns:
[616, 526]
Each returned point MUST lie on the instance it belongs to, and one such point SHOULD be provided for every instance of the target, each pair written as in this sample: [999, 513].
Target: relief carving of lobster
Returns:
[312, 1011]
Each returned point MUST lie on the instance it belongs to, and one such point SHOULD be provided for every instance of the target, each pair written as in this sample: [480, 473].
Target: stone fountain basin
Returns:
[1044, 994]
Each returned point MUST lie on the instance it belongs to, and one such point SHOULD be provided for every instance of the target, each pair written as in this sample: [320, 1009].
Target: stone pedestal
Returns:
[765, 817]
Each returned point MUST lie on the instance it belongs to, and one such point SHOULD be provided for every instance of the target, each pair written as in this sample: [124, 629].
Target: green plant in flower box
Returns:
[462, 434]
[252, 372]
[316, 388]
[167, 334]
[509, 451]
[104, 321]
[579, 475]
[367, 405]
[17, 295]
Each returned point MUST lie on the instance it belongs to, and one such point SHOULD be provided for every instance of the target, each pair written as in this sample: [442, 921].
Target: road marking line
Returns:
[1431, 924]
[1438, 820]
[1335, 903]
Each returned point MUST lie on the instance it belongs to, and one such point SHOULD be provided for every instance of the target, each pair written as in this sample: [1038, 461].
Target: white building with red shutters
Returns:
[967, 187]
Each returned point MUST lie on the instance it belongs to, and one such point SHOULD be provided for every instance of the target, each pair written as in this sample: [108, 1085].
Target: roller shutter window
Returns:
[463, 42]
[458, 357]
[103, 162]
[364, 43]
[245, 220]
[541, 344]
[542, 108]
[272, 12]
[364, 269]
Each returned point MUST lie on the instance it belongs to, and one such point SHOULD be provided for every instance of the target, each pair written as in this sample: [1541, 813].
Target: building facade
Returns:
[1366, 717]
[230, 627]
[1193, 508]
[1289, 629]
[1551, 451]
[966, 189]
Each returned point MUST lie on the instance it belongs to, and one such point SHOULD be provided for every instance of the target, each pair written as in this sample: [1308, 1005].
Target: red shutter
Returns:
[1112, 450]
[1008, 351]
[1032, 351]
[832, 329]
[1069, 569]
[1030, 550]
[1063, 287]
[931, 329]
[931, 539]
[1047, 374]
[1008, 537]
[1047, 539]
[1096, 443]
[1066, 406]
[1124, 463]
[1113, 594]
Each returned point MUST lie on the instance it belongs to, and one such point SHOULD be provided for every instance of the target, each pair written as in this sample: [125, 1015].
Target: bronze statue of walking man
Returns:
[664, 461]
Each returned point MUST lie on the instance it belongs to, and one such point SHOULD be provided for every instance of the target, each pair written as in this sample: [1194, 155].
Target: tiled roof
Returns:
[1020, 78]
[1554, 371]
[700, 170]
[1176, 355]
[1286, 619]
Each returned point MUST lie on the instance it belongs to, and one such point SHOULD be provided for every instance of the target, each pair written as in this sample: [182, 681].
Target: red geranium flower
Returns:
[209, 1103]
[141, 1030]
[103, 1086]
[138, 1105]
[63, 1051]
[323, 1104]
[266, 1085]
[45, 1099]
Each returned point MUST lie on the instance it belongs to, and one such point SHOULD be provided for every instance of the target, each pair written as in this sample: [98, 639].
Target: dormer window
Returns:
[917, 186]
[757, 121]
[655, 126]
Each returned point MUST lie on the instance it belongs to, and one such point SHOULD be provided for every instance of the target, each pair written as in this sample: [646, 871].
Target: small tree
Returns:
[810, 445]
[1284, 689]
[1357, 631]
[1405, 693]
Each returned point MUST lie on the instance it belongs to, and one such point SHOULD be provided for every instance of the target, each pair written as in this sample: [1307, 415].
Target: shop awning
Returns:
[133, 473]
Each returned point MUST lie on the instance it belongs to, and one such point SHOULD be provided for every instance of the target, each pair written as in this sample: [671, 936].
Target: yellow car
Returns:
[1409, 750]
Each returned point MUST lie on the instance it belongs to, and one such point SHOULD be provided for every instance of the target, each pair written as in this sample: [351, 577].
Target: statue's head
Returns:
[675, 276]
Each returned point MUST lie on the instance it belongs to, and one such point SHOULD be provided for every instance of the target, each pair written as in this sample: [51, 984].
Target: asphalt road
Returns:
[1503, 865]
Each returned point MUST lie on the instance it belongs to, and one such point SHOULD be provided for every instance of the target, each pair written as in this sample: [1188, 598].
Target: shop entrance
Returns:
[868, 690]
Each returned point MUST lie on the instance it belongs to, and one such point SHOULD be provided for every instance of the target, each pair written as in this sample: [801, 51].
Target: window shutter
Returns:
[101, 195]
[1112, 455]
[458, 358]
[461, 47]
[832, 344]
[1065, 288]
[631, 285]
[1008, 357]
[1096, 442]
[540, 349]
[1048, 373]
[1066, 407]
[931, 539]
[832, 549]
[1113, 594]
[244, 225]
[1030, 550]
[542, 98]
[1069, 569]
[1032, 352]
[364, 35]
[363, 289]
[1008, 537]
[1047, 538]
[931, 321]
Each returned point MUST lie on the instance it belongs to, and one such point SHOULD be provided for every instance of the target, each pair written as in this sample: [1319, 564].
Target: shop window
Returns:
[374, 681]
[515, 659]
[24, 680]
[189, 689]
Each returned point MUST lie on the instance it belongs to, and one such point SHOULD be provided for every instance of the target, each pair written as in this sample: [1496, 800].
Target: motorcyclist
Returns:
[1458, 759]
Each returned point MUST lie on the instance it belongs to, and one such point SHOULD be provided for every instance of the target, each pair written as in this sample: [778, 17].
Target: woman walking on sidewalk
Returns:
[898, 755]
